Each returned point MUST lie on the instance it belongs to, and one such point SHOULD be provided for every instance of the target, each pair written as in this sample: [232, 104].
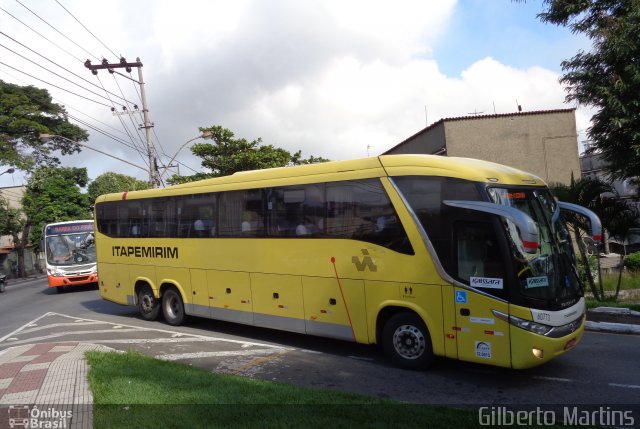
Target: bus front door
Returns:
[481, 336]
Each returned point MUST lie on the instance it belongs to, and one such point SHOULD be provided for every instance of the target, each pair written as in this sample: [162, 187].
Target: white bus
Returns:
[70, 253]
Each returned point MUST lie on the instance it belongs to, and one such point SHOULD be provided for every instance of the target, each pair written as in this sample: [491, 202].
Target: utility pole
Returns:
[154, 177]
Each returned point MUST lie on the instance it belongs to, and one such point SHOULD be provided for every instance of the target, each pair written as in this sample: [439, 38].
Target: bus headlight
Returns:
[527, 325]
[54, 272]
[537, 328]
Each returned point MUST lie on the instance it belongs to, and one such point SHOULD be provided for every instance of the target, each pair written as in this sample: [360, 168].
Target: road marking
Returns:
[61, 334]
[23, 326]
[126, 328]
[626, 386]
[59, 325]
[226, 353]
[565, 380]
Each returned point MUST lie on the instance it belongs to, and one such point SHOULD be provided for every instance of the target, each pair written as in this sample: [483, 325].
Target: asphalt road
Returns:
[603, 370]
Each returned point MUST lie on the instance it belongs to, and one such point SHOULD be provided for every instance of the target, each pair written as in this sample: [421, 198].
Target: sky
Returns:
[340, 79]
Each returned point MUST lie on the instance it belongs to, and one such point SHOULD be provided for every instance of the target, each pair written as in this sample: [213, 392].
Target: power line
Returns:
[83, 26]
[88, 125]
[44, 37]
[58, 31]
[53, 62]
[55, 86]
[124, 127]
[54, 73]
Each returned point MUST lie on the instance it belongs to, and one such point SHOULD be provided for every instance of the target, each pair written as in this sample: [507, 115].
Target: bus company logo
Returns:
[366, 262]
[486, 282]
[483, 350]
[162, 252]
[533, 282]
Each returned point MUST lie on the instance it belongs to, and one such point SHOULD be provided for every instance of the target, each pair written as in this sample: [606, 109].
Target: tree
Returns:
[53, 194]
[229, 155]
[585, 192]
[114, 182]
[25, 113]
[608, 77]
[11, 219]
[625, 218]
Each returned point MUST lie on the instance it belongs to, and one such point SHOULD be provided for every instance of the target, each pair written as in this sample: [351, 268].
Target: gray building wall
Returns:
[542, 143]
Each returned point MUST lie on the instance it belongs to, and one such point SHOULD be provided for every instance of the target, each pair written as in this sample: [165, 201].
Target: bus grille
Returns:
[78, 279]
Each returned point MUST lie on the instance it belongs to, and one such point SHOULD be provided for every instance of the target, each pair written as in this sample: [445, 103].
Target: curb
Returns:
[613, 328]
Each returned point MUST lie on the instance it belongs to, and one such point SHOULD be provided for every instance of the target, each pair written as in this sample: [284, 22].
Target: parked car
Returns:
[3, 282]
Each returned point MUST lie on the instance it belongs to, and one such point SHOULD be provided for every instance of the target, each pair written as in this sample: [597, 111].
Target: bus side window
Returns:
[361, 210]
[478, 256]
[241, 214]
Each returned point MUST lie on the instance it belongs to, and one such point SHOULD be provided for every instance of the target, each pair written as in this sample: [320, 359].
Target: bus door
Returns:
[478, 263]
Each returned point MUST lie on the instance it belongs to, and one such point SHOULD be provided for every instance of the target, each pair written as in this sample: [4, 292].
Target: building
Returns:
[544, 143]
[8, 256]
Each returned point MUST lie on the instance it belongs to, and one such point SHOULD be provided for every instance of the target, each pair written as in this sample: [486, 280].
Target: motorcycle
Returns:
[3, 282]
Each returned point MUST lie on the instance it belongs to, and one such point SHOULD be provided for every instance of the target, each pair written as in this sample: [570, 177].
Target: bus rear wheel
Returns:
[406, 341]
[148, 305]
[173, 307]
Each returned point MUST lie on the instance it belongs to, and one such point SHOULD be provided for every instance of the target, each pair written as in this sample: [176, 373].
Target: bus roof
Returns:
[66, 222]
[385, 165]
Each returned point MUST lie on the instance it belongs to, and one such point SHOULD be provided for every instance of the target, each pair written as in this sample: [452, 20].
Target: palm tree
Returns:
[586, 192]
[625, 218]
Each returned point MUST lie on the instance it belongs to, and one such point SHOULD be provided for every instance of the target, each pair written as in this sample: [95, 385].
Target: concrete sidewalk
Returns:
[46, 382]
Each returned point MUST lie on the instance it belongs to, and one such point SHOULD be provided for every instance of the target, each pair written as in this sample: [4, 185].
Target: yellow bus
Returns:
[424, 255]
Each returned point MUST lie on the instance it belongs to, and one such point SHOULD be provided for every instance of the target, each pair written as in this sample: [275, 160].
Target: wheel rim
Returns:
[409, 341]
[173, 307]
[147, 303]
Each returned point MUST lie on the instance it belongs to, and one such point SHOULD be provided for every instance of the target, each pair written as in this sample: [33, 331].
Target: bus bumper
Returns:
[60, 281]
[529, 349]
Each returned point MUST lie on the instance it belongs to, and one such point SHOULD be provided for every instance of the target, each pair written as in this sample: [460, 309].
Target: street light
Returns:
[9, 170]
[47, 137]
[207, 135]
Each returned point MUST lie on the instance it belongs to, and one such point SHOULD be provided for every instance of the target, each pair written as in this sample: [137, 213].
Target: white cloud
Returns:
[333, 78]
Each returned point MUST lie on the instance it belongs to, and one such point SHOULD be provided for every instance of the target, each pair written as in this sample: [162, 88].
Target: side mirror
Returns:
[527, 228]
[594, 220]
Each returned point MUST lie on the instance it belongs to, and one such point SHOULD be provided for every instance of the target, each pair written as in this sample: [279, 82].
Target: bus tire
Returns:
[173, 307]
[148, 305]
[406, 341]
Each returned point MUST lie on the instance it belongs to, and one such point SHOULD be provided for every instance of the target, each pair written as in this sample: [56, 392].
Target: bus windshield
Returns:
[548, 274]
[65, 248]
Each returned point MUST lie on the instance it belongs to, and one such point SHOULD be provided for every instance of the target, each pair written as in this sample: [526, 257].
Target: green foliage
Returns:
[607, 77]
[10, 220]
[108, 183]
[228, 155]
[632, 262]
[592, 265]
[25, 113]
[53, 195]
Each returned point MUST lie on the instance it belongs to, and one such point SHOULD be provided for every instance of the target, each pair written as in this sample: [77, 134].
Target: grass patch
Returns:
[593, 303]
[132, 390]
[629, 281]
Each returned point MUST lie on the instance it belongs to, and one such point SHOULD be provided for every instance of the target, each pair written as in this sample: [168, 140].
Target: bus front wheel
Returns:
[406, 340]
[173, 307]
[148, 305]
